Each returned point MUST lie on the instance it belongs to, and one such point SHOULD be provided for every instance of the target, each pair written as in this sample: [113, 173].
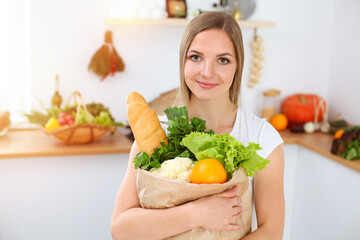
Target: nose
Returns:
[207, 70]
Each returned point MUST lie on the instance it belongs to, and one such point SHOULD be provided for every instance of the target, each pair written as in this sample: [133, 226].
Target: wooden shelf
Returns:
[176, 22]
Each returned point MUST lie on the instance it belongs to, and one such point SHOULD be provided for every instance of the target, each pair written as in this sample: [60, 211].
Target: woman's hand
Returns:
[219, 212]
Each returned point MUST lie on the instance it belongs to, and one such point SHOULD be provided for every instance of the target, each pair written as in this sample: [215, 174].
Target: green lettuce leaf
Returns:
[226, 149]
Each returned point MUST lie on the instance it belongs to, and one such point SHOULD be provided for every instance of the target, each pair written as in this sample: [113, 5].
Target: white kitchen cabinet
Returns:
[322, 197]
[59, 198]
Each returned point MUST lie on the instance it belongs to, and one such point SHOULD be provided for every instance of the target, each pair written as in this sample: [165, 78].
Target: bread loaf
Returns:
[144, 123]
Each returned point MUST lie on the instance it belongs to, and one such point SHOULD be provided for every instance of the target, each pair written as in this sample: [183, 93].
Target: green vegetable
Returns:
[226, 149]
[96, 108]
[38, 117]
[97, 114]
[104, 119]
[178, 126]
[82, 116]
[192, 140]
[352, 151]
[348, 145]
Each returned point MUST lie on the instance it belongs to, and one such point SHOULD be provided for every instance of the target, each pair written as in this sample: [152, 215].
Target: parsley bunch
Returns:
[178, 126]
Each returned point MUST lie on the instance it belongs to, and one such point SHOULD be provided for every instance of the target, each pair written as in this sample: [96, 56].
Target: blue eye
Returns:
[195, 58]
[223, 60]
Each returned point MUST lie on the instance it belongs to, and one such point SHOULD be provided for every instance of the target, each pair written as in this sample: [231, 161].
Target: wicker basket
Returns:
[79, 133]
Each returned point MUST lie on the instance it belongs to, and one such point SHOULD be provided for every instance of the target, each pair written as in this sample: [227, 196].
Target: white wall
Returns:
[300, 52]
[344, 80]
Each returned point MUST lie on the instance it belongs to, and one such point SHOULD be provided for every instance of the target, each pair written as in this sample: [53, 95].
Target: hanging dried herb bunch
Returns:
[257, 48]
[106, 60]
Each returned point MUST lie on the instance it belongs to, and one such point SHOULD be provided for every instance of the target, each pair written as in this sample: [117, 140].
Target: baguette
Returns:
[144, 123]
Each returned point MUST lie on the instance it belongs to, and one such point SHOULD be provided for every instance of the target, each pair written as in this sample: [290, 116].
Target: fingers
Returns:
[228, 193]
[235, 201]
[226, 210]
[233, 221]
[237, 210]
[232, 227]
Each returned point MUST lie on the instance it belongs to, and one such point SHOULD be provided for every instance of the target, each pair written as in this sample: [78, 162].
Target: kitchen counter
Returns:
[35, 143]
[319, 143]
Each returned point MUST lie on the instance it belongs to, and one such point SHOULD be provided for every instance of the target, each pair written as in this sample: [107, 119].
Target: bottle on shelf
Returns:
[270, 103]
[237, 14]
[56, 99]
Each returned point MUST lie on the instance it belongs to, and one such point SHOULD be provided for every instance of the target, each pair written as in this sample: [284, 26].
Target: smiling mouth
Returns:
[207, 85]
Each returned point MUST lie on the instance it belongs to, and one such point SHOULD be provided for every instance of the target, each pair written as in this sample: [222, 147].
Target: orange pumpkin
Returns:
[300, 108]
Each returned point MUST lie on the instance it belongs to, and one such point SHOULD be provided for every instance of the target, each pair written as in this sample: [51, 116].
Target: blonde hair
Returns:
[205, 21]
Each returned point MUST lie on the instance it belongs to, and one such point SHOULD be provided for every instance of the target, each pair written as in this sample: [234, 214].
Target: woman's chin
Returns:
[206, 96]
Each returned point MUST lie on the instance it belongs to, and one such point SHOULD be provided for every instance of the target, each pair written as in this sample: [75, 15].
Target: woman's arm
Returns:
[130, 221]
[269, 198]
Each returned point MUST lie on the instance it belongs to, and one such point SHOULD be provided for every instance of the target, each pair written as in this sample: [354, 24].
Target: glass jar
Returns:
[270, 103]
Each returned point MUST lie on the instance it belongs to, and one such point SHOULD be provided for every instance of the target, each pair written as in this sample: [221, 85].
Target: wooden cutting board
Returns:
[165, 100]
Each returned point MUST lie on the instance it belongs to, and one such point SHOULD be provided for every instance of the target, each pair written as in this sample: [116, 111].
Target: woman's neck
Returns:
[219, 115]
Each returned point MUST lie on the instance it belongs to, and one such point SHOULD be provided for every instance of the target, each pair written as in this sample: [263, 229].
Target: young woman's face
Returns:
[210, 65]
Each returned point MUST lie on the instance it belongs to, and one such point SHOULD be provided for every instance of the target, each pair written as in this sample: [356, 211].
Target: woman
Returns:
[211, 62]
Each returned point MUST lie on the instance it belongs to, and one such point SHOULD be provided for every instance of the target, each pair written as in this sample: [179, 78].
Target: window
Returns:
[15, 84]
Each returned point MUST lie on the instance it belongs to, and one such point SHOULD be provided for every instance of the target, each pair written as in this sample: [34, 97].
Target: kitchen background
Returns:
[313, 49]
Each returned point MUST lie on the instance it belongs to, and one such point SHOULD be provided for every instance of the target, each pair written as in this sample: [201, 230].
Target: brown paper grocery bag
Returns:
[159, 192]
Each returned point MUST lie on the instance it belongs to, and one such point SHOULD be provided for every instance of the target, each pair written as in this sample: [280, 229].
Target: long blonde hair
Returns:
[205, 21]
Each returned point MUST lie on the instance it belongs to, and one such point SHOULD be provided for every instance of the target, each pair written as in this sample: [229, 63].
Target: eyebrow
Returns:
[219, 55]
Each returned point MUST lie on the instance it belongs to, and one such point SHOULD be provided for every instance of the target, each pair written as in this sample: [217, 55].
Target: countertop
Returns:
[318, 142]
[35, 143]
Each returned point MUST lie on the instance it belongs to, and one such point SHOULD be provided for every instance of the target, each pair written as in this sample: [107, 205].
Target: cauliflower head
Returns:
[177, 168]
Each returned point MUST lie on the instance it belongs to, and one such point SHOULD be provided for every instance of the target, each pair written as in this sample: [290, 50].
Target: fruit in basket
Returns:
[69, 115]
[104, 119]
[96, 108]
[208, 171]
[96, 113]
[65, 119]
[52, 124]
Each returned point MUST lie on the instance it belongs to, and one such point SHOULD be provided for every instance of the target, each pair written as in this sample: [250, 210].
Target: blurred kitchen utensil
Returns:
[247, 7]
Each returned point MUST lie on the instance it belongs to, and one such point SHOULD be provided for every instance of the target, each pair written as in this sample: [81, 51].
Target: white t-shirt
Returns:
[250, 128]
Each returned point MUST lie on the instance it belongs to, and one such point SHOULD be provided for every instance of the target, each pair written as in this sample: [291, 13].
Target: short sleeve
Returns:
[269, 139]
[163, 119]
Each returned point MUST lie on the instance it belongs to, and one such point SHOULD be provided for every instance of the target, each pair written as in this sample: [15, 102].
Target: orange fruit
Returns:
[279, 121]
[208, 171]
